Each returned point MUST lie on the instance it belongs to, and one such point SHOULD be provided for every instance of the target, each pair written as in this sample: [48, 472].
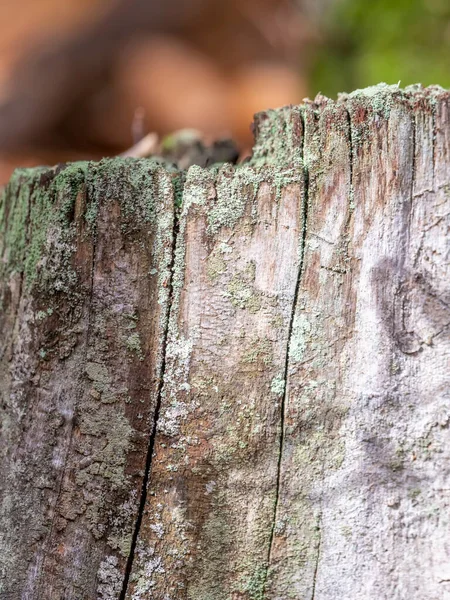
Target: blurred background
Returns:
[89, 78]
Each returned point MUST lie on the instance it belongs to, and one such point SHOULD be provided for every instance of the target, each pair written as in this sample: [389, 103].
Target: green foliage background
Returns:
[369, 41]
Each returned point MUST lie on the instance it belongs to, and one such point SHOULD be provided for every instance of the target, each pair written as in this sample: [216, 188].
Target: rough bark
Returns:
[283, 433]
[85, 276]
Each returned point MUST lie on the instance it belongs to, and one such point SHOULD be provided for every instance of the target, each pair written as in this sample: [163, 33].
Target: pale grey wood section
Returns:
[84, 290]
[364, 492]
[209, 514]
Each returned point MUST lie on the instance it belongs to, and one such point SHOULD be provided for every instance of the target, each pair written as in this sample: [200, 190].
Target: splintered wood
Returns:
[233, 383]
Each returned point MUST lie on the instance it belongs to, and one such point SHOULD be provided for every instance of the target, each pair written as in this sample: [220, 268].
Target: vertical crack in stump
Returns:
[316, 566]
[351, 152]
[151, 444]
[286, 364]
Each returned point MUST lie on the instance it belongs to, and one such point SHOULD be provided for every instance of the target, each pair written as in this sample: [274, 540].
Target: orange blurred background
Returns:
[88, 78]
[84, 79]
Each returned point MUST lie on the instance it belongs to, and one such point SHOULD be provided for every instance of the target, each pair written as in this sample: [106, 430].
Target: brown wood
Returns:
[283, 434]
[84, 310]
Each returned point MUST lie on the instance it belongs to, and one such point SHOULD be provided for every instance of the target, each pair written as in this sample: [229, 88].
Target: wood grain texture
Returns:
[209, 513]
[363, 503]
[81, 364]
[299, 386]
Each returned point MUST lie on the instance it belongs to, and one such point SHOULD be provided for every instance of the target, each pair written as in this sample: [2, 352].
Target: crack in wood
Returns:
[288, 346]
[151, 445]
[316, 565]
[413, 177]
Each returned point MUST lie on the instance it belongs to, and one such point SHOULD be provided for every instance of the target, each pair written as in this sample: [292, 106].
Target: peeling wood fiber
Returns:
[233, 383]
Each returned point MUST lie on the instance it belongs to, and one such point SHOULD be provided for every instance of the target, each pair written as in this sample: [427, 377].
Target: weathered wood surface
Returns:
[85, 274]
[284, 433]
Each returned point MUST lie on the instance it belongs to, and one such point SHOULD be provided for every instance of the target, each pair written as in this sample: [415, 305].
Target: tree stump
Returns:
[233, 383]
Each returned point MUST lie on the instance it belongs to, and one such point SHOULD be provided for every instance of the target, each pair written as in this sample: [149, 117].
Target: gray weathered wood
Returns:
[295, 403]
[85, 274]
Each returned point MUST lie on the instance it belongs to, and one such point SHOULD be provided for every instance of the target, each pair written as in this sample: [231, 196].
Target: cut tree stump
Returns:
[233, 383]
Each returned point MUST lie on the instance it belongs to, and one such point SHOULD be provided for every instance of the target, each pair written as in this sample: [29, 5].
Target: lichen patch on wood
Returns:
[78, 401]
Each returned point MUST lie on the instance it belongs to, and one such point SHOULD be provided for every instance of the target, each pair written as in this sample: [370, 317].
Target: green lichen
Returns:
[98, 373]
[379, 97]
[242, 294]
[130, 182]
[301, 330]
[216, 266]
[255, 583]
[102, 388]
[133, 343]
[43, 314]
[235, 189]
[259, 352]
[51, 232]
[109, 577]
[14, 210]
[278, 385]
[277, 322]
[109, 461]
[279, 139]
